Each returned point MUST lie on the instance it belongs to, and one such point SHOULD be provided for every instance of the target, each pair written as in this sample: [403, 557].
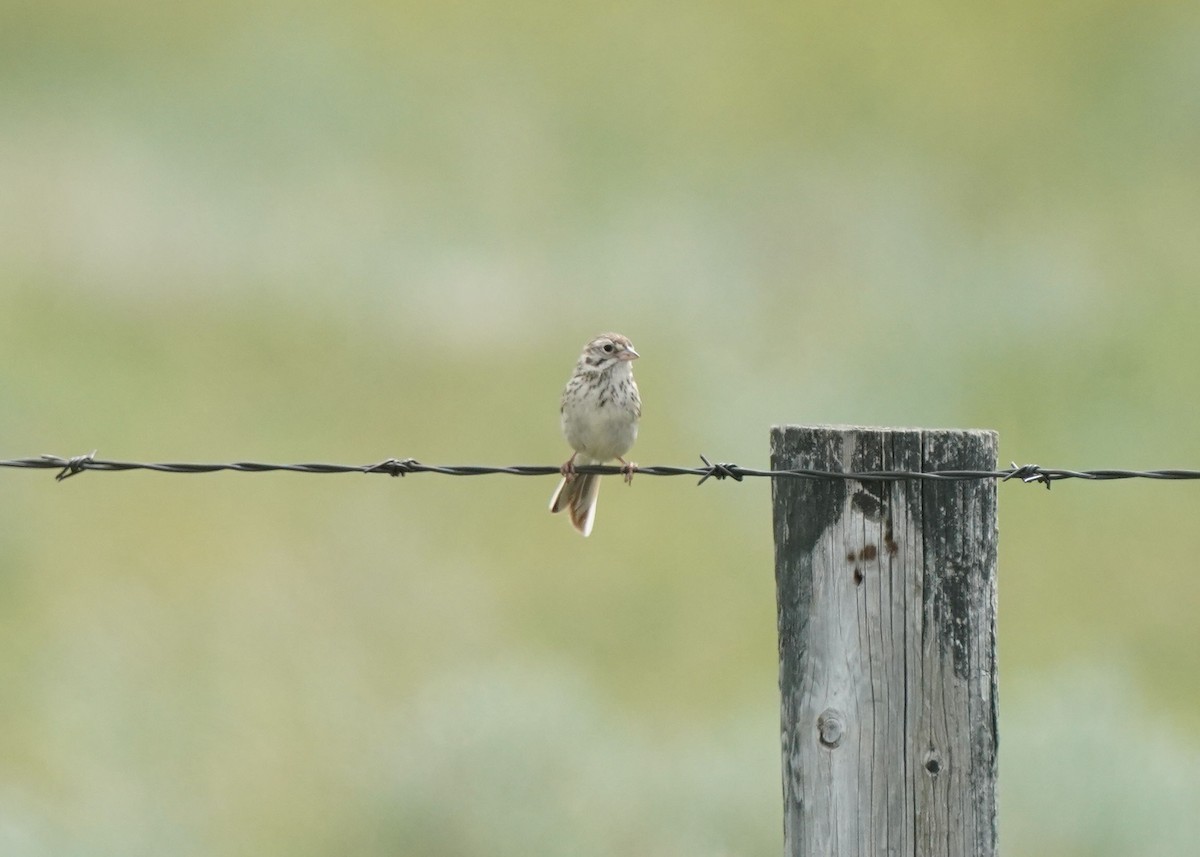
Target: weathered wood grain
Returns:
[887, 644]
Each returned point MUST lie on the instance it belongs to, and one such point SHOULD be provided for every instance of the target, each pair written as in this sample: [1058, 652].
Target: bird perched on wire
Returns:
[600, 412]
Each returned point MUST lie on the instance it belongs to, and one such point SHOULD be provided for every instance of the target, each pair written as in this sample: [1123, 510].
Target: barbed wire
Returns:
[1027, 473]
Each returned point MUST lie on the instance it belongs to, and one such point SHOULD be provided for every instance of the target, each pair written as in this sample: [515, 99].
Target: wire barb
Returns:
[1028, 473]
[394, 467]
[78, 464]
[719, 471]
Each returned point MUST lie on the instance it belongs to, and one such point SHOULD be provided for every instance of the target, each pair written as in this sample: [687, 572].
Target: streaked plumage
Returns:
[600, 412]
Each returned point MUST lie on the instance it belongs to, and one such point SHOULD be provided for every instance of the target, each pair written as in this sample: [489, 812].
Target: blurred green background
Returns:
[348, 231]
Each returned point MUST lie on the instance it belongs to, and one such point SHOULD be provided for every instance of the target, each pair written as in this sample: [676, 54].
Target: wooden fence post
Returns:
[887, 644]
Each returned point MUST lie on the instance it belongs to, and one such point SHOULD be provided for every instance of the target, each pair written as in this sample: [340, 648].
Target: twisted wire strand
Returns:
[1027, 473]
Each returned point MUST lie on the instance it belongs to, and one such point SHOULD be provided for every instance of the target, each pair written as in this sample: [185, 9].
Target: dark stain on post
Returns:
[962, 549]
[867, 503]
[889, 539]
[797, 535]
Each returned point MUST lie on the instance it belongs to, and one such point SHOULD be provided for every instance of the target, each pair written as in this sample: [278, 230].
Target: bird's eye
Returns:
[608, 348]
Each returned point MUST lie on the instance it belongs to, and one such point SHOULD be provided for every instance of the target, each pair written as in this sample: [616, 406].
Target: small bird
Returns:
[600, 412]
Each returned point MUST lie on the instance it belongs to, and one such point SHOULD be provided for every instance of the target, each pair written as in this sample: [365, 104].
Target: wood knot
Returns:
[933, 762]
[830, 728]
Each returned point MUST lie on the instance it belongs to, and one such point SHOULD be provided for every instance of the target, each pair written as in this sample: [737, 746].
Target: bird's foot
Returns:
[628, 468]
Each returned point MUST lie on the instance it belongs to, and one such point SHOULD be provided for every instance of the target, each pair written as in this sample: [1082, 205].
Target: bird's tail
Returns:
[577, 494]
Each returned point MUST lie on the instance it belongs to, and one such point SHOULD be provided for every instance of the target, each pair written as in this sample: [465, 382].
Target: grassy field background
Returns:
[346, 232]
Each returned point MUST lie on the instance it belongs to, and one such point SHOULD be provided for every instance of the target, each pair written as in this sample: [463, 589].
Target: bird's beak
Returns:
[628, 354]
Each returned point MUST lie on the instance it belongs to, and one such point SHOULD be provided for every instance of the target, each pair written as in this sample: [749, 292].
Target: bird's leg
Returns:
[568, 468]
[628, 468]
